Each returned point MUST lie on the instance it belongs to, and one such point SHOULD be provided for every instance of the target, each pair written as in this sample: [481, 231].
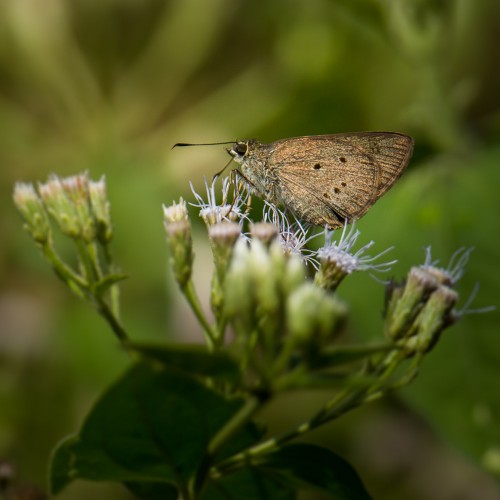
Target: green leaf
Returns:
[108, 281]
[153, 491]
[61, 467]
[191, 358]
[247, 484]
[308, 466]
[152, 426]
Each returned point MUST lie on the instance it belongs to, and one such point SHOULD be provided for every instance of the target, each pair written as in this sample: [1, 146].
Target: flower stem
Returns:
[235, 424]
[239, 420]
[75, 281]
[190, 293]
[342, 403]
[105, 311]
[81, 288]
[114, 290]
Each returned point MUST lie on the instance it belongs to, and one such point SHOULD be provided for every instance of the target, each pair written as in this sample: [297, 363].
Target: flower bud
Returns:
[179, 241]
[404, 306]
[432, 319]
[239, 303]
[266, 276]
[223, 237]
[60, 207]
[313, 315]
[101, 210]
[77, 191]
[264, 232]
[33, 212]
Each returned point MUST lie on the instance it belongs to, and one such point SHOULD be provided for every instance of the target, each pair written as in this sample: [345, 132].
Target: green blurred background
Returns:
[110, 85]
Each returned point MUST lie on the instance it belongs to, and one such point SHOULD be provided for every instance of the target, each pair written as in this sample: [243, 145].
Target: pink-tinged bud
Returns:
[31, 208]
[179, 241]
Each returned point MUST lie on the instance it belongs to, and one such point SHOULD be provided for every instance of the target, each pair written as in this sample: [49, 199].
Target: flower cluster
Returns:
[276, 314]
[419, 309]
[281, 319]
[273, 300]
[79, 208]
[77, 205]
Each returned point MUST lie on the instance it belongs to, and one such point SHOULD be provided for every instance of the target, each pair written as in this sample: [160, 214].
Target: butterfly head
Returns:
[241, 149]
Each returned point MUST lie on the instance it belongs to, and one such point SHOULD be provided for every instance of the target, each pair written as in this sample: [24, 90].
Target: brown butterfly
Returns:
[325, 180]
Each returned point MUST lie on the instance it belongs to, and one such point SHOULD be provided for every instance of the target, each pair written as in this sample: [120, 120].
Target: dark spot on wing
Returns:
[337, 190]
[327, 196]
[342, 159]
[317, 166]
[343, 184]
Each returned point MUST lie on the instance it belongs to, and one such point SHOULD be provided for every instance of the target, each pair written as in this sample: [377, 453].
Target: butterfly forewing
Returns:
[326, 179]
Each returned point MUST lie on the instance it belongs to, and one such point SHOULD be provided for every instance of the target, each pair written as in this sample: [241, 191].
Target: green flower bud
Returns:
[31, 208]
[294, 273]
[101, 210]
[60, 207]
[239, 303]
[77, 190]
[434, 317]
[314, 316]
[265, 276]
[179, 241]
[404, 306]
[264, 232]
[223, 237]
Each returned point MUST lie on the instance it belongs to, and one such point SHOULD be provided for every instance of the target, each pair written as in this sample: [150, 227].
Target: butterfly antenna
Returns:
[185, 144]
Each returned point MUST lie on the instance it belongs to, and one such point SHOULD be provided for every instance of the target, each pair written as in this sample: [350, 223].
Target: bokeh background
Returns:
[109, 85]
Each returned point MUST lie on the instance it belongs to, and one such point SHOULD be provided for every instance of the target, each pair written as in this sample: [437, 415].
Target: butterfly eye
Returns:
[241, 148]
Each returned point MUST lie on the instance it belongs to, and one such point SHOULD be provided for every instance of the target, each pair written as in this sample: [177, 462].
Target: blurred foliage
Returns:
[110, 85]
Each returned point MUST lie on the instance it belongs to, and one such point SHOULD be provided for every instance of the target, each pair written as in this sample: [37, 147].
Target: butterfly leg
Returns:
[243, 181]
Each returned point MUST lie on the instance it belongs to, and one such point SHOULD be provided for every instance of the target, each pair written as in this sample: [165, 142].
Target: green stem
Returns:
[190, 293]
[245, 413]
[237, 461]
[114, 290]
[239, 420]
[81, 288]
[85, 258]
[105, 311]
[94, 259]
[64, 271]
[336, 407]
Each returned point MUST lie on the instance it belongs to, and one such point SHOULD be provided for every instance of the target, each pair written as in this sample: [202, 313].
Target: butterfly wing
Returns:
[327, 179]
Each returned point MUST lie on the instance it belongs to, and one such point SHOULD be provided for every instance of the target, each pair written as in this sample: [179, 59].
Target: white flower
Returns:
[450, 275]
[456, 267]
[211, 212]
[292, 236]
[341, 254]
